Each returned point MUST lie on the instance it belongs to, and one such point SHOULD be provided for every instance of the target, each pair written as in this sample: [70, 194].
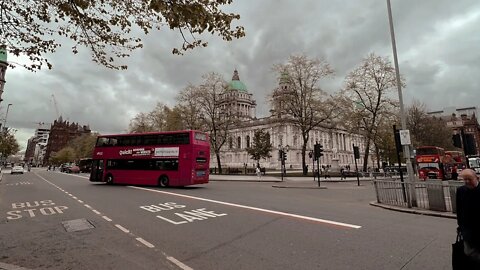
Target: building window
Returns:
[239, 142]
[248, 141]
[295, 140]
[230, 143]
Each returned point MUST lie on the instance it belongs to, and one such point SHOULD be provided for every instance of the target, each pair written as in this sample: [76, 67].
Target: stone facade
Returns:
[337, 143]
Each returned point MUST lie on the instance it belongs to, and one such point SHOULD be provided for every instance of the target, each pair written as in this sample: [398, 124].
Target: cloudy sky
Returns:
[438, 43]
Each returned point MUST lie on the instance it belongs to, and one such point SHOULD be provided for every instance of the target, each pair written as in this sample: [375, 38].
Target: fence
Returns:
[432, 195]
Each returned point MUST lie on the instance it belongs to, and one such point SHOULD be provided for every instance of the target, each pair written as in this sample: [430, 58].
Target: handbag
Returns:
[459, 259]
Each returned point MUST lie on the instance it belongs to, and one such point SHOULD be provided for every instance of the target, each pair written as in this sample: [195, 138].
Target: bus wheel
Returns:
[163, 181]
[109, 179]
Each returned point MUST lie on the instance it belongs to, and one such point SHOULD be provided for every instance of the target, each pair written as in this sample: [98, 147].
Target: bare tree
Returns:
[426, 129]
[140, 123]
[189, 107]
[216, 121]
[36, 28]
[368, 98]
[300, 99]
[161, 118]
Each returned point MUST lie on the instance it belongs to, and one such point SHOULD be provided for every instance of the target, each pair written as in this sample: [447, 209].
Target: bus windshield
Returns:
[428, 151]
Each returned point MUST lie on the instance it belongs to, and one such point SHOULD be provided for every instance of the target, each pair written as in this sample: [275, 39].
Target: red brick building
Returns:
[464, 122]
[61, 133]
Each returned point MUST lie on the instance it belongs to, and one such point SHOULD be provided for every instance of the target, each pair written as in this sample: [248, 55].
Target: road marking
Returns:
[96, 212]
[146, 243]
[122, 228]
[325, 221]
[74, 197]
[141, 240]
[179, 263]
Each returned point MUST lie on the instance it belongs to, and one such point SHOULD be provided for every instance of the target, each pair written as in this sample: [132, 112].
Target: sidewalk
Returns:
[288, 181]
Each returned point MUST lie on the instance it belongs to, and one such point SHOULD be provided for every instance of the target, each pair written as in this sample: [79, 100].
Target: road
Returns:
[221, 225]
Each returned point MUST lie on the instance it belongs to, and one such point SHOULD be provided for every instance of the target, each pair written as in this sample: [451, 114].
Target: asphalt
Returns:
[299, 182]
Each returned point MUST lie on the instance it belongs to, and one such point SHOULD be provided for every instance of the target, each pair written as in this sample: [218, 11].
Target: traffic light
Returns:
[318, 150]
[284, 155]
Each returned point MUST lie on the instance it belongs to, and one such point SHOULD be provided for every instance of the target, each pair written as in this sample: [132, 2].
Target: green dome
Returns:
[236, 84]
[3, 53]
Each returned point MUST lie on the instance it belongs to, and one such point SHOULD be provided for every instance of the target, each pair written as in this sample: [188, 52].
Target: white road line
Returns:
[96, 212]
[88, 206]
[74, 197]
[325, 221]
[80, 201]
[107, 218]
[122, 228]
[146, 243]
[179, 263]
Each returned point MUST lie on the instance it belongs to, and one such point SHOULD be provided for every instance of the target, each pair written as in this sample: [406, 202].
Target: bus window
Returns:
[102, 141]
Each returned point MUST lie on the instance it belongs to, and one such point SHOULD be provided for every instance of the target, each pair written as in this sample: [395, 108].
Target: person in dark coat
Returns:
[468, 215]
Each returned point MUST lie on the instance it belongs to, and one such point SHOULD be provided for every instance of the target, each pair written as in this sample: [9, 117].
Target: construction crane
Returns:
[56, 106]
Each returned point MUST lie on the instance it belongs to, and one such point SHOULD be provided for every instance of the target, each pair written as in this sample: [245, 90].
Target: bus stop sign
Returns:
[405, 137]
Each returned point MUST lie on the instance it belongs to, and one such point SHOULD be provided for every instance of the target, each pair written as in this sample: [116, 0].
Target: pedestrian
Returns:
[468, 218]
[454, 173]
[259, 173]
[342, 174]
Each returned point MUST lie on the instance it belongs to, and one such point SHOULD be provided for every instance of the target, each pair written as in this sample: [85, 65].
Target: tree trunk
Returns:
[304, 165]
[218, 162]
[378, 157]
[365, 157]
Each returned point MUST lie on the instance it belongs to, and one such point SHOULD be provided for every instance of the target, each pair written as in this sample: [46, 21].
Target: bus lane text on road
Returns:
[183, 217]
[35, 208]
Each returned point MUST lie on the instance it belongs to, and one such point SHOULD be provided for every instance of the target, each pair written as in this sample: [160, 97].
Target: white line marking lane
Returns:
[179, 263]
[324, 221]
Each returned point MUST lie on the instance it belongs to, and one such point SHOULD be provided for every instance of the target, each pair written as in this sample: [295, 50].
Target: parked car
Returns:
[73, 169]
[17, 169]
[64, 167]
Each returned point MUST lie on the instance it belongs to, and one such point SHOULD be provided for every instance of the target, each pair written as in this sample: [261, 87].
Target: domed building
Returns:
[237, 101]
[337, 143]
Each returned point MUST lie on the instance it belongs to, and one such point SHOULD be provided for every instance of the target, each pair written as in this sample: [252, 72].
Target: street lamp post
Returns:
[6, 115]
[406, 148]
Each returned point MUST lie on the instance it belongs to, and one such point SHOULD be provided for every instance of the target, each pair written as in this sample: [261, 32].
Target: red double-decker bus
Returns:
[433, 163]
[459, 159]
[177, 158]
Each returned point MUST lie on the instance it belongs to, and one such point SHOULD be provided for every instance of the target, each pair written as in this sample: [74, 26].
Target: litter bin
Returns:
[436, 196]
[452, 186]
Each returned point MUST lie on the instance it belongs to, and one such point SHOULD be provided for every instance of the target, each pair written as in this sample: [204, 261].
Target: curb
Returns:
[5, 266]
[255, 181]
[275, 186]
[414, 211]
[1, 176]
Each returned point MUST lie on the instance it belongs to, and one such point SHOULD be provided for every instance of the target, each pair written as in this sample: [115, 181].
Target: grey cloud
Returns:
[439, 64]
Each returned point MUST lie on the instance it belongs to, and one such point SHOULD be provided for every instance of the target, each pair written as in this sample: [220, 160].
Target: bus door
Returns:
[96, 175]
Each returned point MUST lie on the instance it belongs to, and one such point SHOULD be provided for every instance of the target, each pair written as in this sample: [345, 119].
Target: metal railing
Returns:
[435, 195]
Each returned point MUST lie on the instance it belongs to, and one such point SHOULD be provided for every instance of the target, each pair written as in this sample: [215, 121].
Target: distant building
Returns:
[462, 121]
[337, 143]
[61, 133]
[37, 146]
